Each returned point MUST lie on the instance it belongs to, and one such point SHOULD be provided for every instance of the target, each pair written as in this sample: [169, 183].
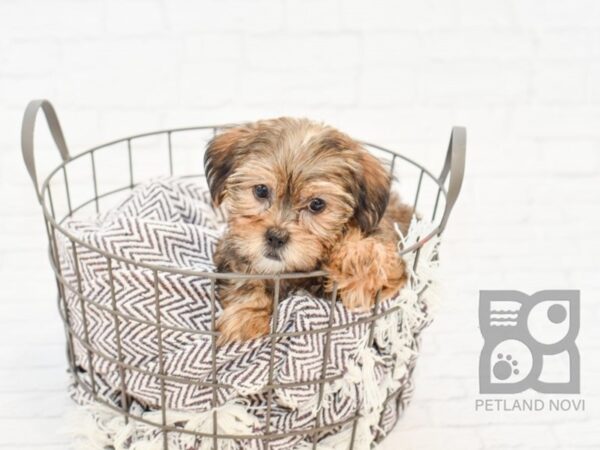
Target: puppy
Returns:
[300, 196]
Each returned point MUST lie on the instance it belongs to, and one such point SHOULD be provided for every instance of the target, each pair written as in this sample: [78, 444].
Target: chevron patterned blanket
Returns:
[170, 222]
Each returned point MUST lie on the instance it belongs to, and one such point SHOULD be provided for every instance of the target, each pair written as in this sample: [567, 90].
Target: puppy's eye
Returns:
[316, 205]
[261, 191]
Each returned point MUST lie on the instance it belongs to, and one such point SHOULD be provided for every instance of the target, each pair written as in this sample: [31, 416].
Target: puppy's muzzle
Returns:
[276, 238]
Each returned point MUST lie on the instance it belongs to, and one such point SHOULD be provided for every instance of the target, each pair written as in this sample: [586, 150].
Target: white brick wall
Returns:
[520, 74]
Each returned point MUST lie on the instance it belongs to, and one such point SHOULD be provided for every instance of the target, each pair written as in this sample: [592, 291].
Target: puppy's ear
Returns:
[222, 157]
[372, 192]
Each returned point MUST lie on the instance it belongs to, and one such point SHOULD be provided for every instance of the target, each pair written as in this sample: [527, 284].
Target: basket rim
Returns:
[57, 224]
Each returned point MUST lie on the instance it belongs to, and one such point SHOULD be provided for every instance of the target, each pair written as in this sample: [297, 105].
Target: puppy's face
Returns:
[290, 188]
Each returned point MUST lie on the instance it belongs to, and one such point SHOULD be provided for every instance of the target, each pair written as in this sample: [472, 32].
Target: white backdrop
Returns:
[521, 75]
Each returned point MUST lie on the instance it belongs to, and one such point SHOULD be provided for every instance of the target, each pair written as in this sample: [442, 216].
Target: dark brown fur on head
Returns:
[298, 160]
[267, 176]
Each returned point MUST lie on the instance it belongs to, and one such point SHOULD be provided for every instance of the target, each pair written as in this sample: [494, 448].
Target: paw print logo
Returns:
[505, 367]
[529, 342]
[510, 362]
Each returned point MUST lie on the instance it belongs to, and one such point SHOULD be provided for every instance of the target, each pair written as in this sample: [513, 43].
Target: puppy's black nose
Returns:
[277, 237]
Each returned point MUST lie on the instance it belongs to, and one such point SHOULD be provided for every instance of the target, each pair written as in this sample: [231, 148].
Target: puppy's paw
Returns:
[239, 323]
[361, 267]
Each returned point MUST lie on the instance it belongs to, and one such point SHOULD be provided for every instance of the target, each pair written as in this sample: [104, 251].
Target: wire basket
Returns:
[88, 183]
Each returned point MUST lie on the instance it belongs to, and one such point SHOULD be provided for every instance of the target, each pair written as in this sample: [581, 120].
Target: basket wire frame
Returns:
[452, 173]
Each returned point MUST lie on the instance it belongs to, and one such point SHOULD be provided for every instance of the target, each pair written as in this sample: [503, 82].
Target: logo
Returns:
[529, 342]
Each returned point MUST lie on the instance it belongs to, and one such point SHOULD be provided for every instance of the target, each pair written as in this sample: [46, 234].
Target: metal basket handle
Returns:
[27, 130]
[455, 167]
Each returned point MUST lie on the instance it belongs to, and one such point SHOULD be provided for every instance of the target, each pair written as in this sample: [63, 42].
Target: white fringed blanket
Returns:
[169, 222]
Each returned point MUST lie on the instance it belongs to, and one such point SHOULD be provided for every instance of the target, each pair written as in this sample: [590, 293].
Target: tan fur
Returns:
[298, 161]
[246, 317]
